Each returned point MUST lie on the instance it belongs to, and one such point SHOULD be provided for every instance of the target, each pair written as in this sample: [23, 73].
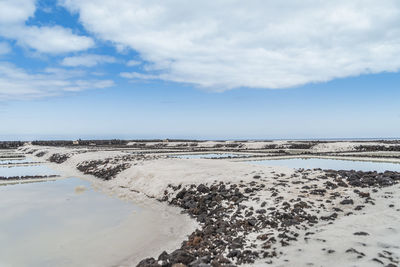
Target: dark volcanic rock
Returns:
[368, 179]
[361, 233]
[149, 262]
[181, 256]
[226, 221]
[41, 154]
[347, 202]
[58, 158]
[202, 189]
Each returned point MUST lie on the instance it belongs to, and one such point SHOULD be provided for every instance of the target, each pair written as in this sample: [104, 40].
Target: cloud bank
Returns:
[259, 44]
[17, 83]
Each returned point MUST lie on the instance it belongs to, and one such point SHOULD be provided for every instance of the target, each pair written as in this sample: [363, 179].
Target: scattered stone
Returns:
[352, 250]
[361, 233]
[347, 202]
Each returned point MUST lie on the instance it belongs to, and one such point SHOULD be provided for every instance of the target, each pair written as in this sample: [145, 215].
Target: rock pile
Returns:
[100, 169]
[11, 178]
[367, 179]
[108, 168]
[377, 148]
[244, 222]
[58, 158]
[31, 151]
[12, 156]
[41, 154]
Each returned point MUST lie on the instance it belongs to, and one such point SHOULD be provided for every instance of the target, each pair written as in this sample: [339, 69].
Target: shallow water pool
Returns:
[208, 156]
[8, 171]
[16, 161]
[334, 164]
[67, 223]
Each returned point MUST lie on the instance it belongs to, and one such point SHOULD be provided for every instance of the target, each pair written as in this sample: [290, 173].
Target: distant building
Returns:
[76, 142]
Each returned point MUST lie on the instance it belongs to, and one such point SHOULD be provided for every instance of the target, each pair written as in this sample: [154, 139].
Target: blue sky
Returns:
[149, 69]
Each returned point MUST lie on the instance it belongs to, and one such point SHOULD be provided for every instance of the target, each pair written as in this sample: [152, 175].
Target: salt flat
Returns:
[276, 214]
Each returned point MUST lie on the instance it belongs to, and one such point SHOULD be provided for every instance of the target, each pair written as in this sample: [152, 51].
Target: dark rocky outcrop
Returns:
[58, 158]
[226, 220]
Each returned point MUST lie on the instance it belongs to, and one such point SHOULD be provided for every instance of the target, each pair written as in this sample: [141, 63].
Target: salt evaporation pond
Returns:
[208, 156]
[32, 170]
[334, 164]
[15, 161]
[67, 223]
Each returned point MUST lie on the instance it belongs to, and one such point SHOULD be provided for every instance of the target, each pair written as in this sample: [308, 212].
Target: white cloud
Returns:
[4, 48]
[44, 39]
[137, 75]
[52, 40]
[132, 63]
[87, 60]
[16, 11]
[261, 44]
[16, 83]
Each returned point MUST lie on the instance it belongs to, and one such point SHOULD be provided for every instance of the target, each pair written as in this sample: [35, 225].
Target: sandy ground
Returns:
[381, 223]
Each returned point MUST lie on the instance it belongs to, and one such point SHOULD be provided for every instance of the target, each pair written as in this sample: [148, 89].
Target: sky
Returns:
[211, 69]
